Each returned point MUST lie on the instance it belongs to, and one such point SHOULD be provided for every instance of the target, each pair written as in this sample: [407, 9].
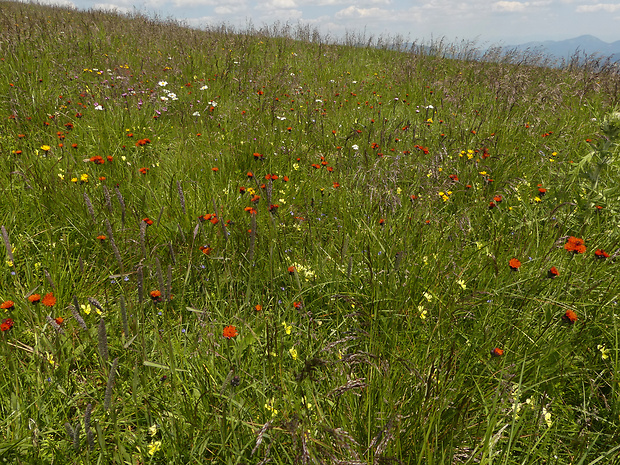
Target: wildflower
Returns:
[292, 269]
[59, 320]
[269, 406]
[46, 148]
[7, 324]
[461, 283]
[101, 238]
[293, 353]
[547, 417]
[553, 272]
[34, 298]
[97, 160]
[143, 170]
[600, 253]
[230, 331]
[148, 221]
[423, 312]
[298, 305]
[49, 300]
[497, 352]
[155, 296]
[604, 351]
[569, 317]
[575, 245]
[287, 328]
[498, 198]
[84, 178]
[514, 264]
[86, 309]
[258, 307]
[7, 305]
[382, 222]
[205, 249]
[154, 447]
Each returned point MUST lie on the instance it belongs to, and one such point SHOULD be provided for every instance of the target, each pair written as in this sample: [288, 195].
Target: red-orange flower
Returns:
[148, 221]
[59, 320]
[97, 160]
[34, 298]
[7, 305]
[297, 305]
[497, 352]
[553, 272]
[205, 249]
[230, 331]
[514, 264]
[569, 316]
[7, 324]
[101, 238]
[600, 253]
[155, 295]
[144, 170]
[258, 307]
[49, 300]
[575, 245]
[292, 269]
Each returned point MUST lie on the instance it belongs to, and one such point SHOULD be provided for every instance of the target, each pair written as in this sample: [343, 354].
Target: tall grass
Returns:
[266, 246]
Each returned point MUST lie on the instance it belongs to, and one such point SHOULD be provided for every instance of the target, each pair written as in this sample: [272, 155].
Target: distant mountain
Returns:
[565, 49]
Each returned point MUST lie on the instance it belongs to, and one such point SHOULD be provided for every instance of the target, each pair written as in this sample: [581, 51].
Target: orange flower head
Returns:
[297, 305]
[553, 272]
[7, 305]
[59, 320]
[258, 308]
[34, 298]
[575, 245]
[230, 332]
[497, 352]
[7, 324]
[600, 253]
[101, 238]
[148, 221]
[292, 269]
[569, 317]
[155, 295]
[514, 264]
[49, 300]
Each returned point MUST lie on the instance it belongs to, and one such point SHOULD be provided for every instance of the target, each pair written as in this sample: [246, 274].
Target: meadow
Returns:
[269, 246]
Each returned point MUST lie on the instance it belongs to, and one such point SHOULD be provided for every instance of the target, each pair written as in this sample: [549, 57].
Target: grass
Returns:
[297, 250]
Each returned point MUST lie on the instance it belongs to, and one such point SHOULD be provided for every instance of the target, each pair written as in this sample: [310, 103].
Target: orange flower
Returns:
[34, 298]
[59, 320]
[143, 170]
[155, 295]
[205, 249]
[553, 272]
[148, 221]
[497, 352]
[97, 160]
[292, 269]
[297, 305]
[49, 300]
[7, 324]
[600, 253]
[101, 238]
[230, 331]
[258, 308]
[7, 305]
[569, 317]
[514, 264]
[575, 245]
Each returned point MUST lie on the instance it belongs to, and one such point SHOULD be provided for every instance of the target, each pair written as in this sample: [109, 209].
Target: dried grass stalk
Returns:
[109, 386]
[7, 244]
[181, 197]
[102, 338]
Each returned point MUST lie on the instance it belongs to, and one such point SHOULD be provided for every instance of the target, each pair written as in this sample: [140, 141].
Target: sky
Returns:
[483, 22]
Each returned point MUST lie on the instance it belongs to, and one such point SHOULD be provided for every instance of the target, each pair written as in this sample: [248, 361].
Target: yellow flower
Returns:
[604, 351]
[461, 283]
[153, 429]
[537, 199]
[84, 178]
[154, 447]
[86, 308]
[74, 179]
[45, 148]
[287, 328]
[422, 312]
[293, 353]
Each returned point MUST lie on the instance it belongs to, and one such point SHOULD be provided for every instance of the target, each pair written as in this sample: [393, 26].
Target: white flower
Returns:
[162, 83]
[196, 113]
[212, 103]
[205, 87]
[163, 98]
[173, 96]
[281, 118]
[355, 147]
[547, 417]
[99, 107]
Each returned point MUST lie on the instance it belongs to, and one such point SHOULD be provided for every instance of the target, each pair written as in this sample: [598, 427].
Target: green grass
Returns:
[374, 168]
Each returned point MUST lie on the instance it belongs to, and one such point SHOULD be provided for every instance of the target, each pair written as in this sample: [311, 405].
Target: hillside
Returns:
[264, 246]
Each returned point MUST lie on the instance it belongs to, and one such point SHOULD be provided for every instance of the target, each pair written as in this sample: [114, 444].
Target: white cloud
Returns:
[111, 7]
[66, 3]
[511, 7]
[608, 7]
[355, 12]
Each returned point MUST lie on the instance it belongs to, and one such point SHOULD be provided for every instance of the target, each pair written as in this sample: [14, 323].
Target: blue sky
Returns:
[487, 22]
